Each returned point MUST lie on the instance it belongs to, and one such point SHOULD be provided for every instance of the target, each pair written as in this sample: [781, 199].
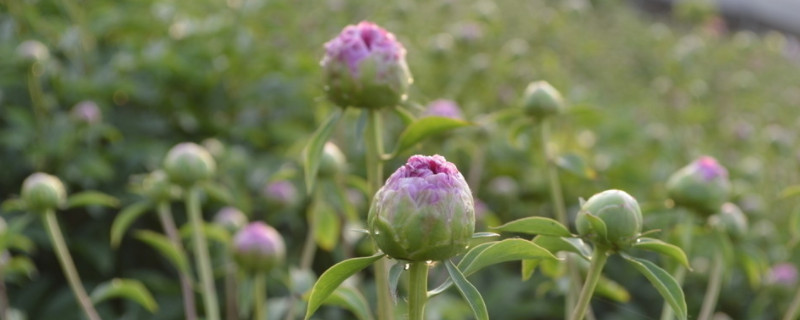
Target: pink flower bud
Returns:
[230, 218]
[365, 67]
[702, 186]
[258, 247]
[281, 193]
[783, 274]
[444, 108]
[86, 112]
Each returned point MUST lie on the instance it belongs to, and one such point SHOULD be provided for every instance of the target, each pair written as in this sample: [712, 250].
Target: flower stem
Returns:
[168, 223]
[259, 296]
[680, 272]
[374, 150]
[418, 290]
[68, 265]
[202, 258]
[557, 197]
[231, 305]
[714, 286]
[792, 312]
[599, 258]
[4, 257]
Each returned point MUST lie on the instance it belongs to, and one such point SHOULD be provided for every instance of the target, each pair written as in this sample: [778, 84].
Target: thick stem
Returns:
[187, 293]
[259, 296]
[374, 151]
[231, 305]
[202, 258]
[68, 265]
[418, 290]
[310, 245]
[599, 258]
[4, 257]
[792, 312]
[714, 286]
[680, 272]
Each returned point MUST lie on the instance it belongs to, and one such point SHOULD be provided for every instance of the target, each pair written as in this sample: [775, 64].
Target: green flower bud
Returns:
[258, 247]
[41, 192]
[157, 187]
[702, 186]
[621, 214]
[541, 100]
[731, 220]
[365, 67]
[333, 161]
[230, 218]
[425, 211]
[187, 163]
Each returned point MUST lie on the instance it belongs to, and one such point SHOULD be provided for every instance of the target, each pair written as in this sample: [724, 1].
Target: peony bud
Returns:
[230, 218]
[33, 50]
[280, 194]
[188, 163]
[702, 186]
[365, 67]
[86, 112]
[258, 247]
[333, 161]
[444, 108]
[783, 274]
[621, 214]
[42, 192]
[730, 219]
[425, 211]
[541, 100]
[156, 185]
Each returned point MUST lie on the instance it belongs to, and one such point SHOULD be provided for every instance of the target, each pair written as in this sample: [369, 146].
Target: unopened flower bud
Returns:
[156, 185]
[33, 50]
[783, 274]
[258, 247]
[425, 211]
[444, 108]
[541, 100]
[86, 112]
[280, 194]
[230, 218]
[41, 192]
[702, 186]
[333, 161]
[621, 214]
[731, 220]
[188, 163]
[365, 67]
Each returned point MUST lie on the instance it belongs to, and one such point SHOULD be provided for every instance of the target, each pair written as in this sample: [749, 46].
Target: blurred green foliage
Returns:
[646, 95]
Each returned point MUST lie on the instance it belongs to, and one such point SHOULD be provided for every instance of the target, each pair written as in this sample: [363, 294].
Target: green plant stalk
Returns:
[374, 151]
[4, 257]
[310, 245]
[168, 223]
[714, 286]
[418, 290]
[680, 272]
[794, 307]
[231, 305]
[599, 258]
[259, 296]
[557, 197]
[68, 265]
[39, 111]
[202, 258]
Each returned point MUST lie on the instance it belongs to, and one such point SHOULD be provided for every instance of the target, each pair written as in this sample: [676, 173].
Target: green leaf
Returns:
[536, 225]
[612, 290]
[481, 235]
[666, 285]
[21, 265]
[506, 250]
[790, 191]
[575, 164]
[312, 154]
[333, 277]
[394, 275]
[468, 291]
[598, 225]
[468, 258]
[210, 231]
[426, 127]
[132, 290]
[327, 225]
[664, 248]
[125, 218]
[15, 204]
[92, 198]
[164, 246]
[557, 244]
[528, 267]
[406, 116]
[350, 299]
[218, 192]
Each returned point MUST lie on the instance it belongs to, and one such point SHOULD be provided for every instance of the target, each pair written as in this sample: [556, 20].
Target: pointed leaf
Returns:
[467, 259]
[165, 248]
[92, 198]
[664, 248]
[468, 291]
[218, 192]
[394, 276]
[15, 204]
[333, 277]
[611, 289]
[130, 289]
[22, 265]
[312, 154]
[557, 244]
[125, 218]
[480, 235]
[406, 116]
[528, 267]
[350, 299]
[506, 250]
[598, 225]
[327, 225]
[426, 127]
[575, 164]
[666, 285]
[210, 231]
[536, 225]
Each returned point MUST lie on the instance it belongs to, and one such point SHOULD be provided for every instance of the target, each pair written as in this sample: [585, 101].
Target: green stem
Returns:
[792, 312]
[168, 223]
[202, 258]
[68, 265]
[4, 257]
[599, 258]
[231, 305]
[374, 151]
[680, 272]
[714, 286]
[259, 297]
[418, 290]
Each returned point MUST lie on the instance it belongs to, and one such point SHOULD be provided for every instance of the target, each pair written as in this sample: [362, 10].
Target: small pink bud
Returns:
[86, 112]
[33, 50]
[702, 186]
[783, 274]
[258, 247]
[281, 193]
[444, 108]
[230, 218]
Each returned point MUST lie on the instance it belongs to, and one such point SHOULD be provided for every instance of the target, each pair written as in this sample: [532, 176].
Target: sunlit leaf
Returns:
[664, 248]
[666, 285]
[576, 165]
[611, 289]
[468, 291]
[426, 127]
[536, 225]
[210, 231]
[790, 191]
[333, 277]
[327, 225]
[14, 204]
[557, 244]
[597, 225]
[125, 218]
[91, 198]
[406, 116]
[350, 299]
[129, 289]
[312, 154]
[21, 265]
[506, 250]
